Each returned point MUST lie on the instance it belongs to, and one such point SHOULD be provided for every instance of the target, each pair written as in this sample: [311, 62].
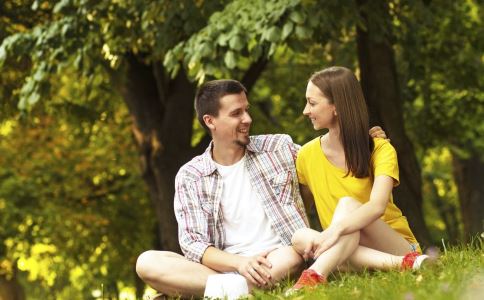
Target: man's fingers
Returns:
[262, 270]
[252, 280]
[264, 261]
[257, 277]
[375, 129]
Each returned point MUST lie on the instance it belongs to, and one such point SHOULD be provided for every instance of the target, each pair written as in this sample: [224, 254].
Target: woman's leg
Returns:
[387, 253]
[378, 235]
[339, 252]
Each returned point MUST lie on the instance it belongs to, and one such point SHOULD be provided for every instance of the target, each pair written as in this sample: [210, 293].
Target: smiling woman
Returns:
[349, 176]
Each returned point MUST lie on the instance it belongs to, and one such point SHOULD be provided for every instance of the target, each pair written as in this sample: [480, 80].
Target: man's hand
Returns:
[256, 269]
[377, 132]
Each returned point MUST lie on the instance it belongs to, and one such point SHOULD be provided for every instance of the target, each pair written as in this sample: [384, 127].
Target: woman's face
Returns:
[318, 108]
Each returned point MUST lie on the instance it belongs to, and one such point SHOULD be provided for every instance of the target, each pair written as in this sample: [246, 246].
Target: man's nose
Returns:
[247, 118]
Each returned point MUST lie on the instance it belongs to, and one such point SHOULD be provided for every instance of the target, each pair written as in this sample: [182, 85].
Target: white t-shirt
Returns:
[247, 228]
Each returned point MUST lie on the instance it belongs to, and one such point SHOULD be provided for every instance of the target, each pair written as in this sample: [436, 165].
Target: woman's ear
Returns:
[208, 119]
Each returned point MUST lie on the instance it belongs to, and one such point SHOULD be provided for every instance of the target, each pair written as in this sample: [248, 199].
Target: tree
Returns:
[441, 51]
[382, 93]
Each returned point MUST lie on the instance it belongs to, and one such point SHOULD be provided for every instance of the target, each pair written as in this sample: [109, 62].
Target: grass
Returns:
[457, 274]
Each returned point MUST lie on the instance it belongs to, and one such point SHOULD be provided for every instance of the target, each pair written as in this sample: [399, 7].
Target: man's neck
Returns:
[227, 155]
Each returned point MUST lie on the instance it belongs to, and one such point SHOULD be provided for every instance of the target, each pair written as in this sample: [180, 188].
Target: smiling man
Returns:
[237, 204]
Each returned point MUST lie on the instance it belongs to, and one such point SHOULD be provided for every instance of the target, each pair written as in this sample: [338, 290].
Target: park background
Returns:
[96, 117]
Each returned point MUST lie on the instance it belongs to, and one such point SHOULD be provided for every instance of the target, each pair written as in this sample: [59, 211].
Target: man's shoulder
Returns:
[193, 169]
[270, 142]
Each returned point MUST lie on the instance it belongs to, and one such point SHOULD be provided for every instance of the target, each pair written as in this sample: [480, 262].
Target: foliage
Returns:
[93, 36]
[73, 211]
[442, 62]
[441, 205]
[245, 31]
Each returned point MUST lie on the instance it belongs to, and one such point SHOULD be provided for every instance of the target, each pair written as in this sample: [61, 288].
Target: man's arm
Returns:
[255, 269]
[193, 234]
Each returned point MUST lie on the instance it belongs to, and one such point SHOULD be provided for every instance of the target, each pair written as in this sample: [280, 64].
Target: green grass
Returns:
[457, 274]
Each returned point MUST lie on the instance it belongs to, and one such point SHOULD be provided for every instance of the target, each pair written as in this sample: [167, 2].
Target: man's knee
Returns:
[285, 263]
[299, 239]
[149, 265]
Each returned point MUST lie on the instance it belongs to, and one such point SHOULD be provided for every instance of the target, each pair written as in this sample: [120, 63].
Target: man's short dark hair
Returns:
[207, 100]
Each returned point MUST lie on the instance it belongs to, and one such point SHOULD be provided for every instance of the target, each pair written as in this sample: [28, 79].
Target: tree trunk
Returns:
[380, 86]
[469, 176]
[10, 289]
[162, 112]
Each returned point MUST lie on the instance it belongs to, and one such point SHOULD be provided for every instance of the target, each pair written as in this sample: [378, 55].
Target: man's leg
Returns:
[285, 262]
[172, 274]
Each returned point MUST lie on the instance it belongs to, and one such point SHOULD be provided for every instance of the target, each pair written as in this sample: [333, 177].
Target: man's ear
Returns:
[208, 119]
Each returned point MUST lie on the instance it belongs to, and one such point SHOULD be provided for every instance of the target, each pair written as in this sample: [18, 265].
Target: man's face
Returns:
[232, 124]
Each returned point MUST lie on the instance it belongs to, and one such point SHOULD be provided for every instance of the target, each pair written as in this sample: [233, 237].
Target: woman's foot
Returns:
[308, 279]
[414, 260]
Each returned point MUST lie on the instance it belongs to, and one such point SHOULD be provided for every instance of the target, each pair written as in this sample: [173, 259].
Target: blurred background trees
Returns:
[97, 116]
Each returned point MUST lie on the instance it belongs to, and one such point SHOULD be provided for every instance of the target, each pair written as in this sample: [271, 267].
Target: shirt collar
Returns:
[209, 165]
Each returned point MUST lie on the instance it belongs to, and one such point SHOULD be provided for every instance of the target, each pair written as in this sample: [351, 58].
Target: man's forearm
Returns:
[219, 260]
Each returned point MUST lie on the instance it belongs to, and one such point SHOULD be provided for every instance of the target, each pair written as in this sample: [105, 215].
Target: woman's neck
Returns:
[332, 140]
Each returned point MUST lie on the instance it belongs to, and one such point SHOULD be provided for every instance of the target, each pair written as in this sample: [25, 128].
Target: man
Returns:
[237, 205]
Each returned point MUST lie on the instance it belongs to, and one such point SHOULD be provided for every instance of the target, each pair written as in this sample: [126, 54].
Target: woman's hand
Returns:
[326, 240]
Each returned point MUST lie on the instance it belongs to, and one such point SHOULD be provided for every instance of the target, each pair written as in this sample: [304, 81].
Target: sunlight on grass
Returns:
[459, 274]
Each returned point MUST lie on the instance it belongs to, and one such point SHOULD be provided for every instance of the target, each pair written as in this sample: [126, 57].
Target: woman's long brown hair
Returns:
[342, 89]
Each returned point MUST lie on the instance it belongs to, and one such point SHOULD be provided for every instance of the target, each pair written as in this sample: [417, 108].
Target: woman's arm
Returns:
[371, 210]
[307, 196]
[360, 217]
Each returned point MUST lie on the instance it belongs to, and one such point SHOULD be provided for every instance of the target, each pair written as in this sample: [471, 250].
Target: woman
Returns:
[349, 176]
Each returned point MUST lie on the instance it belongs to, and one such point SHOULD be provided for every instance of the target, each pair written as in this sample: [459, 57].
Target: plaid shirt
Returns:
[198, 192]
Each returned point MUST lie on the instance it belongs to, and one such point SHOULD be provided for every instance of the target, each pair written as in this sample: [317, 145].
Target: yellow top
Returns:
[328, 184]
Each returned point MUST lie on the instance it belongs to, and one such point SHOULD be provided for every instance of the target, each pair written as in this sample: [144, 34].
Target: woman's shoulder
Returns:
[311, 145]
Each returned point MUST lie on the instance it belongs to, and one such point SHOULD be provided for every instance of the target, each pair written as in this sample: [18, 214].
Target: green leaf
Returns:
[229, 59]
[303, 32]
[60, 6]
[297, 17]
[35, 5]
[273, 34]
[205, 49]
[222, 39]
[236, 43]
[287, 29]
[3, 56]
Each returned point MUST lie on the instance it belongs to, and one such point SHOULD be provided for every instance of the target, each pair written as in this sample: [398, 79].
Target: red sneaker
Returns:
[309, 278]
[413, 260]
